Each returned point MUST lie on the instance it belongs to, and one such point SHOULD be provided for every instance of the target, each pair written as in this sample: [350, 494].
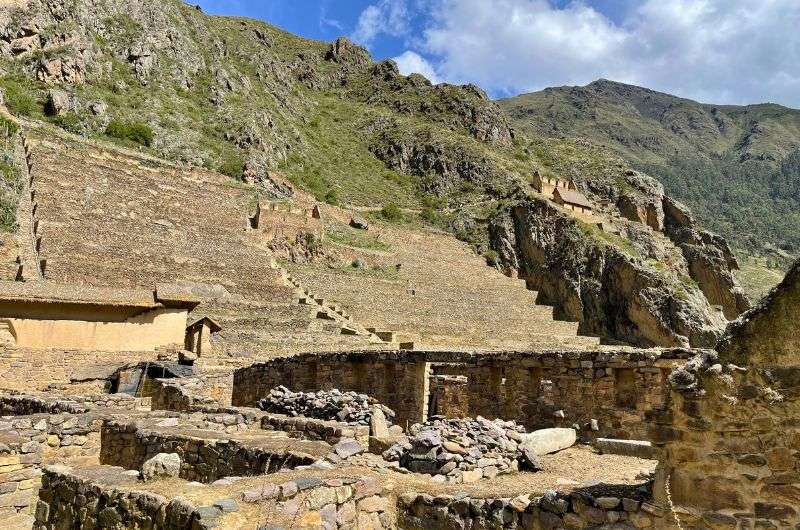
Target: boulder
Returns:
[378, 425]
[635, 448]
[161, 465]
[546, 441]
[58, 102]
[359, 222]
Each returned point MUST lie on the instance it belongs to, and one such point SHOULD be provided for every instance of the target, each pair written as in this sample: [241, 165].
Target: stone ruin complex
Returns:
[497, 419]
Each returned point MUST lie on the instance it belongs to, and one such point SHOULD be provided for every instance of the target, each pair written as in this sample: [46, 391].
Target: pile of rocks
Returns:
[460, 450]
[347, 407]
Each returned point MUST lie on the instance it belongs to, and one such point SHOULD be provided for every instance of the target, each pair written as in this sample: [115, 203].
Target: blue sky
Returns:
[719, 51]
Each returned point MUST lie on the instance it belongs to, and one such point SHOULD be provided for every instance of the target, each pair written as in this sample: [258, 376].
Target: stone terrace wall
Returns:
[27, 441]
[68, 501]
[618, 389]
[26, 369]
[622, 508]
[204, 460]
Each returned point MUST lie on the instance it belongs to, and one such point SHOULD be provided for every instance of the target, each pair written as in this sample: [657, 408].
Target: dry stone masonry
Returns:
[460, 450]
[351, 408]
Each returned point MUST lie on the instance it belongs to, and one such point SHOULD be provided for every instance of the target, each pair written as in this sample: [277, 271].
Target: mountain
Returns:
[737, 167]
[279, 113]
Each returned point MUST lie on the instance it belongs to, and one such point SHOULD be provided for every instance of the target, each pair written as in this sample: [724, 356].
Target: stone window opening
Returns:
[625, 387]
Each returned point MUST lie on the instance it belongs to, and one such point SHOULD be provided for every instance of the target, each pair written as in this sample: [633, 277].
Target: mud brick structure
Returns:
[617, 389]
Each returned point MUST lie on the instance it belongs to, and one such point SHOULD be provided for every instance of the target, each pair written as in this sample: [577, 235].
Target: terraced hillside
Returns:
[109, 217]
[245, 99]
[433, 290]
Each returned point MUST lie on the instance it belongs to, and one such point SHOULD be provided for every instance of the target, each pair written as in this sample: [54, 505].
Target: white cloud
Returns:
[410, 62]
[721, 51]
[390, 17]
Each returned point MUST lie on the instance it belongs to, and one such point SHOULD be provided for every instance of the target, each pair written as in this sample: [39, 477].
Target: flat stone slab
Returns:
[635, 448]
[545, 441]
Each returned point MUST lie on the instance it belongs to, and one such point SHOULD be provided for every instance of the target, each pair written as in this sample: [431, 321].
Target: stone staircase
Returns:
[30, 265]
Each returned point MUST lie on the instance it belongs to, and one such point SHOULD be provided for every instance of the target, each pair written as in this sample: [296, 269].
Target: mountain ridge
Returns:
[735, 166]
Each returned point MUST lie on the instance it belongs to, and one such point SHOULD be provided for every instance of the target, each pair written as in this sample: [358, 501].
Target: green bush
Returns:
[20, 101]
[69, 122]
[430, 215]
[332, 198]
[7, 127]
[136, 132]
[232, 165]
[391, 212]
[492, 257]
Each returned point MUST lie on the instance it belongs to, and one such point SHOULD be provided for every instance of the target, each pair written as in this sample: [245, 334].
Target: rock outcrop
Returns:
[709, 259]
[601, 284]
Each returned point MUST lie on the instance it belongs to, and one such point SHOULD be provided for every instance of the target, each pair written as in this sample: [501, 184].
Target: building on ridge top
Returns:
[573, 200]
[548, 185]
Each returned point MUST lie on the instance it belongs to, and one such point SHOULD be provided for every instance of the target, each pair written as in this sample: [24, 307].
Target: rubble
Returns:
[347, 407]
[460, 450]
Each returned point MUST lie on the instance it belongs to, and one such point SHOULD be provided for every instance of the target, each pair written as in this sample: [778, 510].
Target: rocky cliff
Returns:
[602, 284]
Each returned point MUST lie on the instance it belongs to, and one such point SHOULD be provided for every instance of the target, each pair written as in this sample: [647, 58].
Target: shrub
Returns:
[332, 198]
[492, 258]
[139, 133]
[7, 127]
[391, 212]
[19, 100]
[69, 122]
[232, 165]
[430, 215]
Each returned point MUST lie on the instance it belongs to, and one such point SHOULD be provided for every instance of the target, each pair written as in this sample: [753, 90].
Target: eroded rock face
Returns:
[709, 258]
[610, 292]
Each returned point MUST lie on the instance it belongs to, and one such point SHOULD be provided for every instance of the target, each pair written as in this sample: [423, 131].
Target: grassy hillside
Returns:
[738, 168]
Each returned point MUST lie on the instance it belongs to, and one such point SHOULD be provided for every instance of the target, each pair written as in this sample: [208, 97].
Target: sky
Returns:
[714, 51]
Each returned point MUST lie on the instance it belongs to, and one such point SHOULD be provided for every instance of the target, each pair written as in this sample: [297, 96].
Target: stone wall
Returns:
[28, 441]
[393, 378]
[35, 369]
[314, 429]
[202, 459]
[190, 393]
[615, 390]
[26, 404]
[538, 389]
[731, 437]
[735, 437]
[69, 501]
[601, 507]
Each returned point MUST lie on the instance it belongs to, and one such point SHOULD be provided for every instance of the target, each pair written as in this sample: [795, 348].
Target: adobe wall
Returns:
[145, 332]
[29, 369]
[538, 389]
